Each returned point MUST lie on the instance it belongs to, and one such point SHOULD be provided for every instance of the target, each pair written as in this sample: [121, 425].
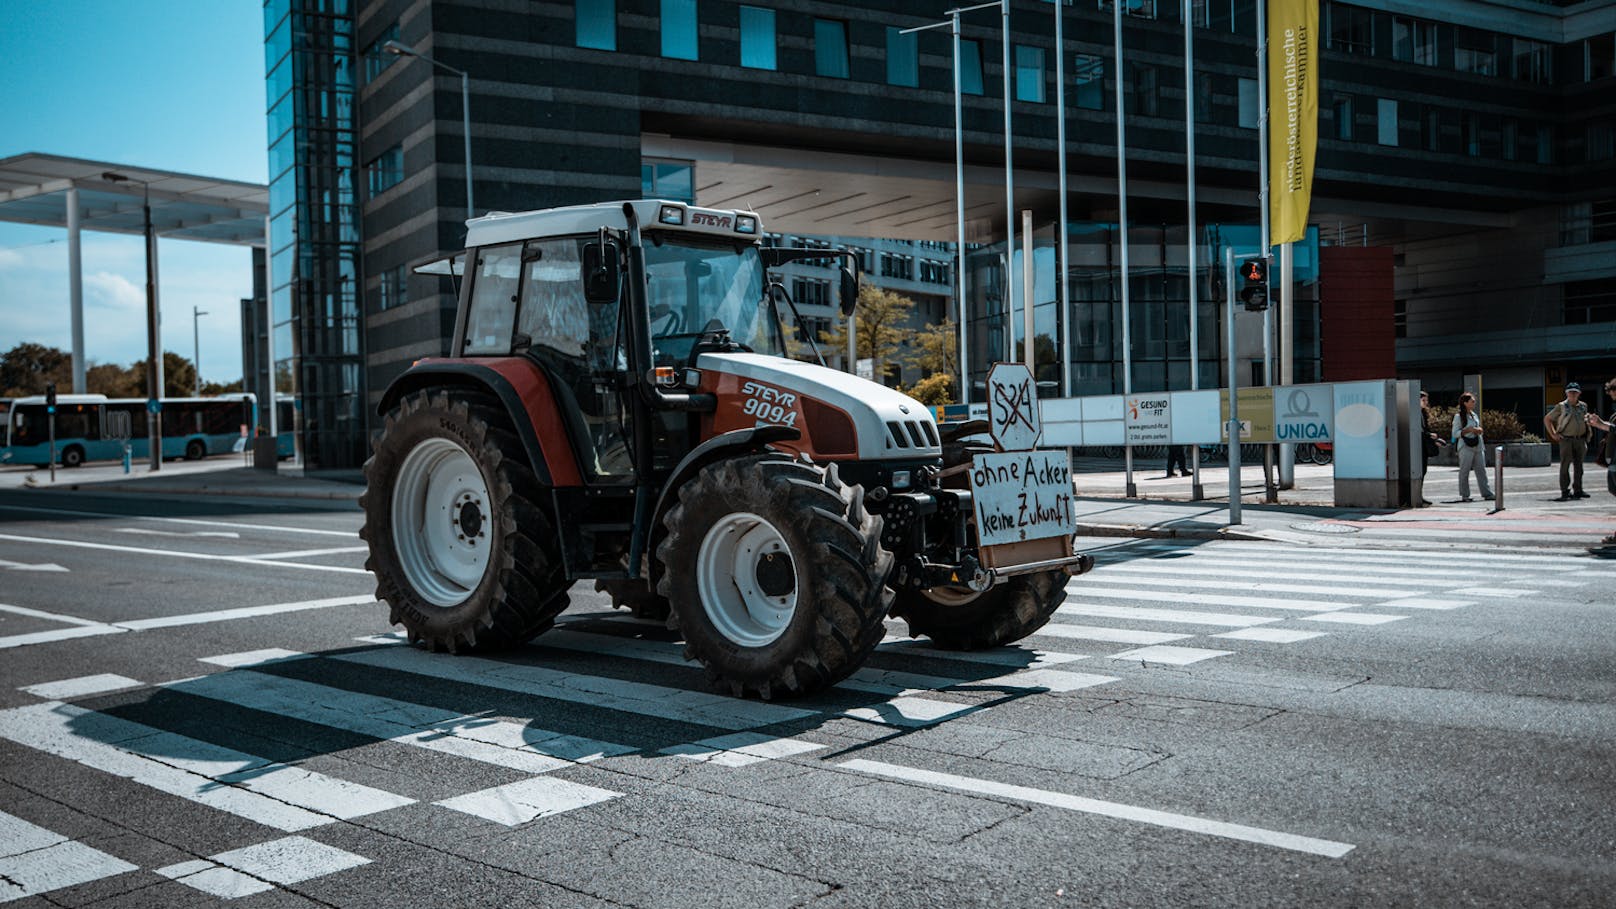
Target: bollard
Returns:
[126, 457]
[1498, 480]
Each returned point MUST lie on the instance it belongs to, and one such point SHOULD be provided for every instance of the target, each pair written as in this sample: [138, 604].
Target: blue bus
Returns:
[94, 427]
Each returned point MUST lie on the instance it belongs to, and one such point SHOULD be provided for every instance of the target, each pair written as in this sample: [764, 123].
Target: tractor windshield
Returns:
[694, 286]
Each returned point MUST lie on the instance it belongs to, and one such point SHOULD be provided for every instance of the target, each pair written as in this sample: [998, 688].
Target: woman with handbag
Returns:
[1472, 450]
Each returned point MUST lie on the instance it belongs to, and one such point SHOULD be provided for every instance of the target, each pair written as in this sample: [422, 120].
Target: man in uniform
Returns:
[1567, 424]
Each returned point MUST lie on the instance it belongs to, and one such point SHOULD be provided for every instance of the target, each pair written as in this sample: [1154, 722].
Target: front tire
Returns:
[462, 553]
[961, 619]
[780, 588]
[72, 456]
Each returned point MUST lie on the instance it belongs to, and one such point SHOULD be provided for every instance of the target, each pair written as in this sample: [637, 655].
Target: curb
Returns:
[1153, 532]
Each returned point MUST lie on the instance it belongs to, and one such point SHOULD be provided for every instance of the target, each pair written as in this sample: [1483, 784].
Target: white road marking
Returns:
[1178, 616]
[1270, 635]
[521, 802]
[48, 616]
[74, 688]
[245, 612]
[34, 860]
[60, 634]
[1012, 656]
[1337, 567]
[503, 744]
[154, 532]
[199, 556]
[741, 748]
[1112, 635]
[1552, 582]
[1116, 810]
[1424, 603]
[1141, 577]
[275, 795]
[192, 521]
[909, 711]
[1494, 592]
[1352, 618]
[1397, 556]
[1172, 656]
[1204, 599]
[30, 566]
[254, 869]
[253, 658]
[304, 553]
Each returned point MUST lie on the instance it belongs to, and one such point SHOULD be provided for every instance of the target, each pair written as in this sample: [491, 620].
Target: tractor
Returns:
[619, 406]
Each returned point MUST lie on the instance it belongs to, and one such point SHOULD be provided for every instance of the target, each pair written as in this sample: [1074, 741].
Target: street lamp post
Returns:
[154, 338]
[397, 49]
[196, 347]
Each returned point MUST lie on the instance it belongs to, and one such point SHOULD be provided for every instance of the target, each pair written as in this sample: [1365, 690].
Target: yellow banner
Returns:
[1293, 111]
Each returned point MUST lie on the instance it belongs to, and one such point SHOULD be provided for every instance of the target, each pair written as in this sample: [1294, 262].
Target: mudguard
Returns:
[722, 445]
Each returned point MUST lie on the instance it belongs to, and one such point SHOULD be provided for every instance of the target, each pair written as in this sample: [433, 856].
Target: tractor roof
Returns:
[653, 214]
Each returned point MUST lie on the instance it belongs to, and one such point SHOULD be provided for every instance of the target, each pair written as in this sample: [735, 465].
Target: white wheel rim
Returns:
[732, 596]
[441, 522]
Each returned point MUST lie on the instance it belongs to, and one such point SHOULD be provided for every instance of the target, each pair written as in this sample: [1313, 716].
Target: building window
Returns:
[1400, 318]
[933, 272]
[1250, 104]
[386, 170]
[1472, 135]
[1586, 302]
[1088, 73]
[597, 23]
[1352, 29]
[896, 266]
[1386, 121]
[376, 59]
[757, 37]
[1601, 145]
[1511, 138]
[1475, 51]
[1599, 57]
[1029, 73]
[1530, 62]
[679, 29]
[1341, 105]
[1414, 41]
[395, 288]
[672, 180]
[970, 66]
[1144, 89]
[830, 48]
[903, 58]
[1545, 144]
[810, 291]
[1431, 129]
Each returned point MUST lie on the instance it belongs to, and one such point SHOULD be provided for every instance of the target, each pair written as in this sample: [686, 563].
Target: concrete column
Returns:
[75, 289]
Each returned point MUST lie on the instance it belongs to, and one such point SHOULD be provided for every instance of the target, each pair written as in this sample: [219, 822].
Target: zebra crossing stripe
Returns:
[1507, 592]
[1132, 577]
[520, 802]
[81, 686]
[1206, 599]
[502, 744]
[1111, 635]
[1271, 635]
[1352, 618]
[741, 749]
[255, 869]
[1170, 655]
[1012, 656]
[1231, 564]
[34, 860]
[1177, 616]
[1396, 556]
[1424, 603]
[275, 795]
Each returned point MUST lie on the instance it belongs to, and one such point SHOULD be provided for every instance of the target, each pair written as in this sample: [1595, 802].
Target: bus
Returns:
[94, 428]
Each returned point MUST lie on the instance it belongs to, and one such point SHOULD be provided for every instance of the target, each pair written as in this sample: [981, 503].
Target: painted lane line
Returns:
[192, 521]
[255, 869]
[1509, 592]
[169, 553]
[1424, 603]
[1172, 656]
[1178, 616]
[273, 794]
[1110, 635]
[76, 688]
[1352, 618]
[31, 566]
[1206, 599]
[1117, 810]
[741, 749]
[518, 803]
[600, 692]
[208, 534]
[1270, 635]
[34, 860]
[1241, 564]
[1132, 578]
[245, 612]
[1398, 556]
[304, 553]
[48, 616]
[516, 746]
[60, 634]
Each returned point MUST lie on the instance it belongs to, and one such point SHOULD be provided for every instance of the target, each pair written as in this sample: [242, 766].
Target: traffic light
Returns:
[1254, 284]
[50, 397]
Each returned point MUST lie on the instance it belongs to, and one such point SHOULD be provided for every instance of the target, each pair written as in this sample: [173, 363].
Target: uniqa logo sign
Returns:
[1300, 422]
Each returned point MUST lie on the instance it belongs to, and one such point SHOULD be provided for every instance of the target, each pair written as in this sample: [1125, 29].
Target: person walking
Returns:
[1608, 452]
[1176, 454]
[1567, 424]
[1472, 450]
[1430, 443]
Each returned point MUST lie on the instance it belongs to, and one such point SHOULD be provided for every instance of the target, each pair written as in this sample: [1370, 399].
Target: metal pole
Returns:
[1063, 275]
[1192, 239]
[196, 346]
[1122, 236]
[75, 289]
[1009, 195]
[959, 209]
[1287, 351]
[154, 341]
[1232, 430]
[852, 346]
[1498, 479]
[269, 342]
[1262, 117]
[465, 124]
[1026, 291]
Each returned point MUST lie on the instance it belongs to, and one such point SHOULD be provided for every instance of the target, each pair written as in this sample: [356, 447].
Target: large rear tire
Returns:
[775, 575]
[462, 552]
[961, 619]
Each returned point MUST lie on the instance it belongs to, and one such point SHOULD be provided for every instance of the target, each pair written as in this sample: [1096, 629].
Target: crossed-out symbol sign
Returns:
[1013, 417]
[1016, 406]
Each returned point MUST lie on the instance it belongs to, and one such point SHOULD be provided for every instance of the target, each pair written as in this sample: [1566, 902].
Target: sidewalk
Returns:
[223, 476]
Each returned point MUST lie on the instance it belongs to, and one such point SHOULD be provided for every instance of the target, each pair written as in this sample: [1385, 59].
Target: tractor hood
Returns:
[890, 425]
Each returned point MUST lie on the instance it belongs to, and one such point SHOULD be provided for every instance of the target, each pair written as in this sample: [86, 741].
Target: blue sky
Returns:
[170, 84]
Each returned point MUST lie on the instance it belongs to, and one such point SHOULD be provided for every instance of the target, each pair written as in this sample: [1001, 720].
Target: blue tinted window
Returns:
[386, 171]
[679, 29]
[970, 66]
[1029, 73]
[1088, 73]
[597, 24]
[830, 48]
[757, 37]
[903, 58]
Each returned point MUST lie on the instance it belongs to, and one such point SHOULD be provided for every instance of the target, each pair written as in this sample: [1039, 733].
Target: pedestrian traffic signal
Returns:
[1254, 284]
[50, 397]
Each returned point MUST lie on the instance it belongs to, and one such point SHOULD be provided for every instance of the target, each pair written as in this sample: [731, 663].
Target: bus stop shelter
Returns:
[79, 195]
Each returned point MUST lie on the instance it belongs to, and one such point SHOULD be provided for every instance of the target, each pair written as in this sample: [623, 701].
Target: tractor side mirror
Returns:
[602, 273]
[849, 291]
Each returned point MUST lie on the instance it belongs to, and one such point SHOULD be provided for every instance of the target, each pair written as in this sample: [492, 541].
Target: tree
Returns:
[221, 388]
[883, 327]
[26, 368]
[179, 376]
[935, 390]
[934, 353]
[113, 380]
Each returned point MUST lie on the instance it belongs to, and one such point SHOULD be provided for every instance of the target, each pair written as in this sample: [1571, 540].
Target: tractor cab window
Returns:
[695, 286]
[492, 315]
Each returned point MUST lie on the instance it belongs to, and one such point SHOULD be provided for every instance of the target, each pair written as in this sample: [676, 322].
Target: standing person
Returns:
[1609, 450]
[1567, 424]
[1472, 450]
[1430, 442]
[1176, 455]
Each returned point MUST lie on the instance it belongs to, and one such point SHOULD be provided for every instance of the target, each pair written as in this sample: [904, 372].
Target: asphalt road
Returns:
[201, 703]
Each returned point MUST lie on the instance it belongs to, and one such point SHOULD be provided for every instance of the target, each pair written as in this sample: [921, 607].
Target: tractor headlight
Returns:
[901, 479]
[671, 214]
